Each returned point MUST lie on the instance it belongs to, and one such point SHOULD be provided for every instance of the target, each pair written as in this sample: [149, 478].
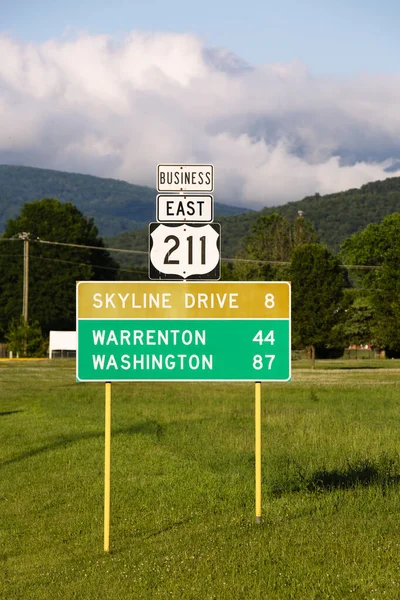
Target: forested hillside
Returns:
[122, 211]
[115, 206]
[334, 216]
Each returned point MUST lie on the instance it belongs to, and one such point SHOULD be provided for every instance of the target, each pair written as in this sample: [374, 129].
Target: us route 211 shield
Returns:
[184, 251]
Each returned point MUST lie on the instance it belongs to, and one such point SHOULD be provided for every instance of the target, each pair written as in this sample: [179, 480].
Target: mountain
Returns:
[122, 210]
[334, 216]
[115, 206]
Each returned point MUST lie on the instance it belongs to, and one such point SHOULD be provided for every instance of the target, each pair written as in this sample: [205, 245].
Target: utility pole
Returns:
[26, 279]
[25, 290]
[25, 236]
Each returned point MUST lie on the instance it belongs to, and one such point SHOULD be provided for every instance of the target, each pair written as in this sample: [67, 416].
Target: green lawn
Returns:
[182, 506]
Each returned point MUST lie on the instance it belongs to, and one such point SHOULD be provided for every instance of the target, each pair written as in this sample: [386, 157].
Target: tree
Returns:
[366, 248]
[386, 302]
[25, 339]
[317, 290]
[53, 270]
[379, 246]
[303, 232]
[273, 239]
[357, 324]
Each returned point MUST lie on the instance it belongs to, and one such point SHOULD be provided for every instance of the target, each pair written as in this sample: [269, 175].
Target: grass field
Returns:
[182, 513]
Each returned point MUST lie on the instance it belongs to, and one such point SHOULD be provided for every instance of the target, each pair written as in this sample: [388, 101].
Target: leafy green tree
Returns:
[269, 241]
[25, 339]
[379, 246]
[367, 248]
[53, 269]
[303, 232]
[227, 272]
[357, 324]
[318, 282]
[386, 301]
[273, 239]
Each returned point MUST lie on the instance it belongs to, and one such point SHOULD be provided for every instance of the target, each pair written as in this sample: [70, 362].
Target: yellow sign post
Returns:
[107, 469]
[258, 449]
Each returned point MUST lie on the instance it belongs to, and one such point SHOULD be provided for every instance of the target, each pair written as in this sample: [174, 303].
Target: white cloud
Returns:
[274, 133]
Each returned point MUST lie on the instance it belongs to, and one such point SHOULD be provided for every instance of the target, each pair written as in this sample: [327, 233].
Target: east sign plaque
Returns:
[183, 331]
[178, 208]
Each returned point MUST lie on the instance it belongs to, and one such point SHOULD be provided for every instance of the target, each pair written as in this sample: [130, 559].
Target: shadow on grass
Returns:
[10, 412]
[358, 368]
[383, 471]
[147, 427]
[168, 528]
[364, 474]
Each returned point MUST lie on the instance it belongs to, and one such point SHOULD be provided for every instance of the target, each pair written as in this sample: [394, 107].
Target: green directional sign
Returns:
[184, 350]
[229, 331]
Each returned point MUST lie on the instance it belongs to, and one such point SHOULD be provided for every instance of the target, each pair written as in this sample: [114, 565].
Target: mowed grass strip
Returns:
[182, 512]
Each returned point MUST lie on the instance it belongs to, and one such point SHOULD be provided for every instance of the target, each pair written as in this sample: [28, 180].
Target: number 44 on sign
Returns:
[260, 339]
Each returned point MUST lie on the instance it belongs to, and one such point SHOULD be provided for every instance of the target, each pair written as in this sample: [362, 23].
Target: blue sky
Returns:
[330, 36]
[285, 98]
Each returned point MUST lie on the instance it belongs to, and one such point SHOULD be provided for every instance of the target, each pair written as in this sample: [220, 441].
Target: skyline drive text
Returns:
[116, 300]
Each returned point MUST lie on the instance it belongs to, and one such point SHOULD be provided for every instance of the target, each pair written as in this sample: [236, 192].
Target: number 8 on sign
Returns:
[269, 301]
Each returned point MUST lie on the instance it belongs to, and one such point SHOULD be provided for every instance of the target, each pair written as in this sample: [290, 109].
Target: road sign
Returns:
[180, 208]
[185, 178]
[189, 251]
[197, 331]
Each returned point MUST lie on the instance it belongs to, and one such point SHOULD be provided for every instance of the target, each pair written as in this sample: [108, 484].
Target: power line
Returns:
[80, 264]
[92, 247]
[145, 252]
[91, 265]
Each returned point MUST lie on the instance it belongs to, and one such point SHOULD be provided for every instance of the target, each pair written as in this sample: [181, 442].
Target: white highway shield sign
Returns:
[184, 251]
